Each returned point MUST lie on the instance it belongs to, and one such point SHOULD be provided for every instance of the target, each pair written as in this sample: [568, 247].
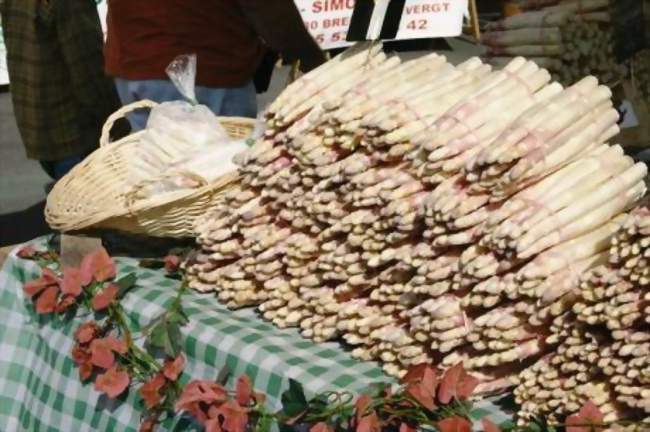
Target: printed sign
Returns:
[431, 19]
[327, 20]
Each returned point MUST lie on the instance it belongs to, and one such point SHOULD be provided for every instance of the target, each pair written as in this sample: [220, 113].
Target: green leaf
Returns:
[319, 403]
[157, 336]
[294, 402]
[126, 283]
[174, 337]
[376, 390]
[177, 316]
[264, 424]
[534, 427]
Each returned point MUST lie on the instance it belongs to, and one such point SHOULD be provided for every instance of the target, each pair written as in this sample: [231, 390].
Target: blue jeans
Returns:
[57, 169]
[231, 102]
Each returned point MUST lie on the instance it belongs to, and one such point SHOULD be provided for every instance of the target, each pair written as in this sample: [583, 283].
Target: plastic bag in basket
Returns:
[178, 131]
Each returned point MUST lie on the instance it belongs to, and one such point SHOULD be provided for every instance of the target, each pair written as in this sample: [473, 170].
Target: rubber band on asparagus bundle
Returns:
[535, 144]
[567, 261]
[400, 103]
[360, 90]
[524, 84]
[467, 142]
[309, 85]
[458, 116]
[534, 204]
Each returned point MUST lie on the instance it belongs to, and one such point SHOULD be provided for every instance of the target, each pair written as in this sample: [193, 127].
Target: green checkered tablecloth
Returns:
[39, 385]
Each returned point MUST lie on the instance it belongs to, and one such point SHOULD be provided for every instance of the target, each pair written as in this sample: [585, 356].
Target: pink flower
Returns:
[86, 332]
[101, 351]
[150, 391]
[200, 391]
[105, 297]
[48, 279]
[172, 263]
[47, 301]
[173, 368]
[113, 382]
[27, 252]
[97, 266]
[72, 282]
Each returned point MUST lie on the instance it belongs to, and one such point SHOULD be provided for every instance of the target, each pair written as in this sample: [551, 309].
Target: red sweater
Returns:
[144, 36]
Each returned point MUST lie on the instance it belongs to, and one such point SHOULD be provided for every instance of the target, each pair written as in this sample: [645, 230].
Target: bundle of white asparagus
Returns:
[604, 340]
[413, 211]
[571, 38]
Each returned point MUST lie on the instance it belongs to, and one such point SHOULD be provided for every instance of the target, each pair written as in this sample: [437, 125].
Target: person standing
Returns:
[229, 38]
[60, 92]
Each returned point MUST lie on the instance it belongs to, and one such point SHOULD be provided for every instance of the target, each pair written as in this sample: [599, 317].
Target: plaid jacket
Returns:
[60, 93]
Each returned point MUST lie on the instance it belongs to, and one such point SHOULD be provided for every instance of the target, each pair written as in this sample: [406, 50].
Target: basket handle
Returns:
[122, 112]
[131, 197]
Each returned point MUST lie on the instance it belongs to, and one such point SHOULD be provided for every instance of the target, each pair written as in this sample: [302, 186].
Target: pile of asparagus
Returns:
[422, 212]
[572, 38]
[603, 342]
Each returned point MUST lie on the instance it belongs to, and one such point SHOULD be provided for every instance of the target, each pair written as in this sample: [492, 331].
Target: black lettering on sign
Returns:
[629, 28]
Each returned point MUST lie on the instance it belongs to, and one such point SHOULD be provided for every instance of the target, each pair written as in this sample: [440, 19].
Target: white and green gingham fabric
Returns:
[39, 385]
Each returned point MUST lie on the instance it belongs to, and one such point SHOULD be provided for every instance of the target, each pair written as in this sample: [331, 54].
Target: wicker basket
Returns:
[97, 193]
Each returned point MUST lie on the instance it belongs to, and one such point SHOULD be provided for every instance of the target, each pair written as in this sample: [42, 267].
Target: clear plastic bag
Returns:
[186, 121]
[178, 132]
[182, 72]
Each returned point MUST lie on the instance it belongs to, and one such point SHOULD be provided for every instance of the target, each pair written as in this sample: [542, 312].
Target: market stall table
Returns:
[39, 384]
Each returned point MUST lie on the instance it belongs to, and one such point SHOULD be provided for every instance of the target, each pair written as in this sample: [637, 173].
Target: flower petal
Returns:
[117, 345]
[244, 390]
[369, 423]
[235, 417]
[72, 282]
[86, 332]
[35, 287]
[65, 303]
[422, 395]
[172, 263]
[97, 266]
[361, 405]
[591, 413]
[200, 391]
[150, 391]
[489, 426]
[46, 302]
[173, 368]
[148, 425]
[80, 355]
[455, 424]
[212, 425]
[85, 371]
[105, 297]
[101, 354]
[113, 382]
[27, 252]
[456, 383]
